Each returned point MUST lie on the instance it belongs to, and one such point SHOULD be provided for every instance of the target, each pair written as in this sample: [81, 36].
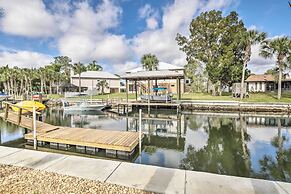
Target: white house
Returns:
[90, 79]
[266, 83]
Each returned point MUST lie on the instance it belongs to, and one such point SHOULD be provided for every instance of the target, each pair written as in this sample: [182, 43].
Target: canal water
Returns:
[223, 143]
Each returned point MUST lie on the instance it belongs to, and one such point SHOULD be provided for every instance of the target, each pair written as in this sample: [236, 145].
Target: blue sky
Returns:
[118, 32]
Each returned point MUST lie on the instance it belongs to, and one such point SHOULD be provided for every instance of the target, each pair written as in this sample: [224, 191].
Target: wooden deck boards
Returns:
[113, 140]
[104, 139]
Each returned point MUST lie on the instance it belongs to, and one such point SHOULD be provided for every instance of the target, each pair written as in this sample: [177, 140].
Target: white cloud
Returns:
[120, 68]
[161, 42]
[26, 18]
[24, 59]
[152, 23]
[151, 16]
[112, 48]
[86, 37]
[259, 64]
[145, 11]
[83, 32]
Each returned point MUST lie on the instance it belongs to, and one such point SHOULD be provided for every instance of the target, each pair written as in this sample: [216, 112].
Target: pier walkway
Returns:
[146, 177]
[115, 142]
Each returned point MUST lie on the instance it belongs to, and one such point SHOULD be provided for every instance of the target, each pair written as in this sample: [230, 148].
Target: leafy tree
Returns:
[78, 69]
[248, 39]
[94, 66]
[101, 85]
[214, 41]
[195, 72]
[149, 62]
[65, 65]
[280, 48]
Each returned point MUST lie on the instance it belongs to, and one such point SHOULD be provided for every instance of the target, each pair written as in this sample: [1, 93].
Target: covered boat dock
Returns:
[153, 76]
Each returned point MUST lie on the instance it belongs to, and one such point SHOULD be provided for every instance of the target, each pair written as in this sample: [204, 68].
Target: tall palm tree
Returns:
[78, 69]
[248, 39]
[94, 66]
[149, 62]
[280, 48]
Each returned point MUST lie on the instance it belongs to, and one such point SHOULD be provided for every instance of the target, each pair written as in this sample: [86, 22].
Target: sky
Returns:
[117, 33]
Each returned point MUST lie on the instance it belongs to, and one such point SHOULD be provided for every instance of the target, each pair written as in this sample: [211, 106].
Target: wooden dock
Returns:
[112, 141]
[101, 139]
[26, 122]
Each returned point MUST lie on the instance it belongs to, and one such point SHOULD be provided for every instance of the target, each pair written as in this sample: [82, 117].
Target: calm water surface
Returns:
[250, 146]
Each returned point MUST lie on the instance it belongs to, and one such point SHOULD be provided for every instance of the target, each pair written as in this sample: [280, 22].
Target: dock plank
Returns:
[91, 137]
[104, 139]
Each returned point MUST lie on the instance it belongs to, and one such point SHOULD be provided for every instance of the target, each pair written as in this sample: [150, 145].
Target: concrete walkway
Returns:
[150, 178]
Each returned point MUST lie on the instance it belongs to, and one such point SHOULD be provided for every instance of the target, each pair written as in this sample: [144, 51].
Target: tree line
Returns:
[218, 49]
[48, 79]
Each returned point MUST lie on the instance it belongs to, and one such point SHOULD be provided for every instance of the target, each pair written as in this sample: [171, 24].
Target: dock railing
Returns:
[22, 111]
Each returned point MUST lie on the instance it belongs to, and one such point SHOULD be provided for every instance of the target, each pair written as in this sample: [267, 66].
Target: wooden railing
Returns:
[21, 111]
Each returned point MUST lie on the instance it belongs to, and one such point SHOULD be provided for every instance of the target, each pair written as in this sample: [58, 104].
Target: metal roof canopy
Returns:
[153, 75]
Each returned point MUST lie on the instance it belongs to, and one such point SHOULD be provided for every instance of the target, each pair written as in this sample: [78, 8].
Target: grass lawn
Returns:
[254, 97]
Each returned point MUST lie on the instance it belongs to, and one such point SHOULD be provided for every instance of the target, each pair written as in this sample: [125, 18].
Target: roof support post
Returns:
[126, 85]
[179, 83]
[149, 91]
[177, 89]
[135, 88]
[156, 85]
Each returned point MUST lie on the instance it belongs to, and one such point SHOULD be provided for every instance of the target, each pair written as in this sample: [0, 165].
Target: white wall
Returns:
[257, 87]
[89, 82]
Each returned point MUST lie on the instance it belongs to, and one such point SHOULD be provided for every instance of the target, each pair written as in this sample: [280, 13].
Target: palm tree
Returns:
[78, 69]
[94, 66]
[248, 39]
[101, 85]
[281, 49]
[149, 62]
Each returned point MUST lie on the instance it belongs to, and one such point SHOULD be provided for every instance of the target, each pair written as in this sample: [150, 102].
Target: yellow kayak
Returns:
[28, 105]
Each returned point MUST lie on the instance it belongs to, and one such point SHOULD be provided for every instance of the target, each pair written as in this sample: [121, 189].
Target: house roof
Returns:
[96, 75]
[159, 74]
[161, 66]
[260, 78]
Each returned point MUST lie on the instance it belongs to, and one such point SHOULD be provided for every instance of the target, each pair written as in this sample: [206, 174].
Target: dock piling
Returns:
[34, 128]
[139, 132]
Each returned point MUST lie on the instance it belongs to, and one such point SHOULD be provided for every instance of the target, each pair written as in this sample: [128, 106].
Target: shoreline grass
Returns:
[254, 97]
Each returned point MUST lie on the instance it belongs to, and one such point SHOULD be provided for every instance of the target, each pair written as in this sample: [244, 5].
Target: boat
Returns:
[28, 106]
[4, 96]
[83, 106]
[161, 95]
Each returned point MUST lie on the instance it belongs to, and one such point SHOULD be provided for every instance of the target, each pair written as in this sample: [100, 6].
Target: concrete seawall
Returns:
[146, 177]
[236, 106]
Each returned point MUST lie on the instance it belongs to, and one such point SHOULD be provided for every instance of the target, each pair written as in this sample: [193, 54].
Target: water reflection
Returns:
[250, 146]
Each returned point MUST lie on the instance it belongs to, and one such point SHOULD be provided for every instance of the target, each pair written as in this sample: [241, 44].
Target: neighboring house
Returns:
[90, 79]
[170, 84]
[266, 83]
